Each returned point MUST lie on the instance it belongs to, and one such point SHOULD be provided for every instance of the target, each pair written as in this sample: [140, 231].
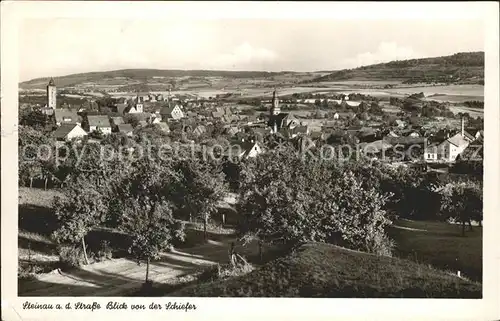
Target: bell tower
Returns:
[51, 94]
[275, 108]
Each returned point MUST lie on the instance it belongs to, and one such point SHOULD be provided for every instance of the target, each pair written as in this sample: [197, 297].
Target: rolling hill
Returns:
[460, 68]
[141, 75]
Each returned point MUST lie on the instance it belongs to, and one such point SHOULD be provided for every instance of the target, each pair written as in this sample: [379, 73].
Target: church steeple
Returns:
[51, 94]
[275, 108]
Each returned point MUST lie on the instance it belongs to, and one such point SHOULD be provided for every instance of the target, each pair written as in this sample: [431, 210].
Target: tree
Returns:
[132, 120]
[81, 209]
[200, 189]
[35, 148]
[152, 227]
[463, 202]
[33, 118]
[295, 201]
[143, 197]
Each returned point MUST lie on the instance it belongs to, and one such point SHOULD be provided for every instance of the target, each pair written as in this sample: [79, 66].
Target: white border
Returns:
[12, 13]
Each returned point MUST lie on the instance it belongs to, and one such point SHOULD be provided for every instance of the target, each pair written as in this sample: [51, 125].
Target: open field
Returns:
[440, 245]
[473, 112]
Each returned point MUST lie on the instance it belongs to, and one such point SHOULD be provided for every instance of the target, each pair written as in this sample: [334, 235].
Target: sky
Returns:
[56, 47]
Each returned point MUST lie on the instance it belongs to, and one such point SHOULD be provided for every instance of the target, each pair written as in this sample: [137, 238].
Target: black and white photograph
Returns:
[287, 157]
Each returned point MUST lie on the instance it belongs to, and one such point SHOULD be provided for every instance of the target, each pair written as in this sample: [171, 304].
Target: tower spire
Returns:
[275, 109]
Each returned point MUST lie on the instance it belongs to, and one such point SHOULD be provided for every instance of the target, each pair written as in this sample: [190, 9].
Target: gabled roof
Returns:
[458, 140]
[63, 114]
[117, 120]
[63, 130]
[125, 128]
[51, 82]
[98, 120]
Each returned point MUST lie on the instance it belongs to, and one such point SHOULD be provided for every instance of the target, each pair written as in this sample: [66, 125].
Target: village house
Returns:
[172, 112]
[66, 132]
[66, 116]
[244, 150]
[126, 129]
[199, 130]
[99, 123]
[451, 148]
[135, 109]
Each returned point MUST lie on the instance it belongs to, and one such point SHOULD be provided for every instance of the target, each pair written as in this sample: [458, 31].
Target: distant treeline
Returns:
[474, 104]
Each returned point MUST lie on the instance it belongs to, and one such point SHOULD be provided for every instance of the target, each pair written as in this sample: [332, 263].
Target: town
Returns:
[387, 168]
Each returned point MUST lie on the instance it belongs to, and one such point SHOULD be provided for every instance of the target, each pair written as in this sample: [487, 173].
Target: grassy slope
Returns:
[466, 66]
[323, 270]
[442, 246]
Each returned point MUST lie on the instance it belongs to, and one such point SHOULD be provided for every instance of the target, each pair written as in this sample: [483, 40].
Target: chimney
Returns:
[463, 124]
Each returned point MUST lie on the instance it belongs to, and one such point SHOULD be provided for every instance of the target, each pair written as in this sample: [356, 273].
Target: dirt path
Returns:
[118, 277]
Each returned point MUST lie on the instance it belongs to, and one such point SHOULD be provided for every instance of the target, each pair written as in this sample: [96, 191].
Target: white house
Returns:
[67, 132]
[138, 108]
[174, 112]
[66, 116]
[99, 123]
[452, 147]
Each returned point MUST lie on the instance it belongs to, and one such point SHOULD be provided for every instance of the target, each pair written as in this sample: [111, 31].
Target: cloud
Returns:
[244, 56]
[386, 51]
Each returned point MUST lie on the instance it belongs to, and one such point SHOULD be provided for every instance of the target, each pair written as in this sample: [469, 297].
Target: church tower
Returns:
[275, 108]
[51, 94]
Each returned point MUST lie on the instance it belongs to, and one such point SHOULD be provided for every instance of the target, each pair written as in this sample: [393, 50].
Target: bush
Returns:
[71, 256]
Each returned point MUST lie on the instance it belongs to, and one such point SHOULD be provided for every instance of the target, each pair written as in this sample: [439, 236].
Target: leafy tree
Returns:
[131, 119]
[296, 200]
[152, 228]
[463, 202]
[143, 197]
[81, 209]
[33, 118]
[201, 188]
[35, 148]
